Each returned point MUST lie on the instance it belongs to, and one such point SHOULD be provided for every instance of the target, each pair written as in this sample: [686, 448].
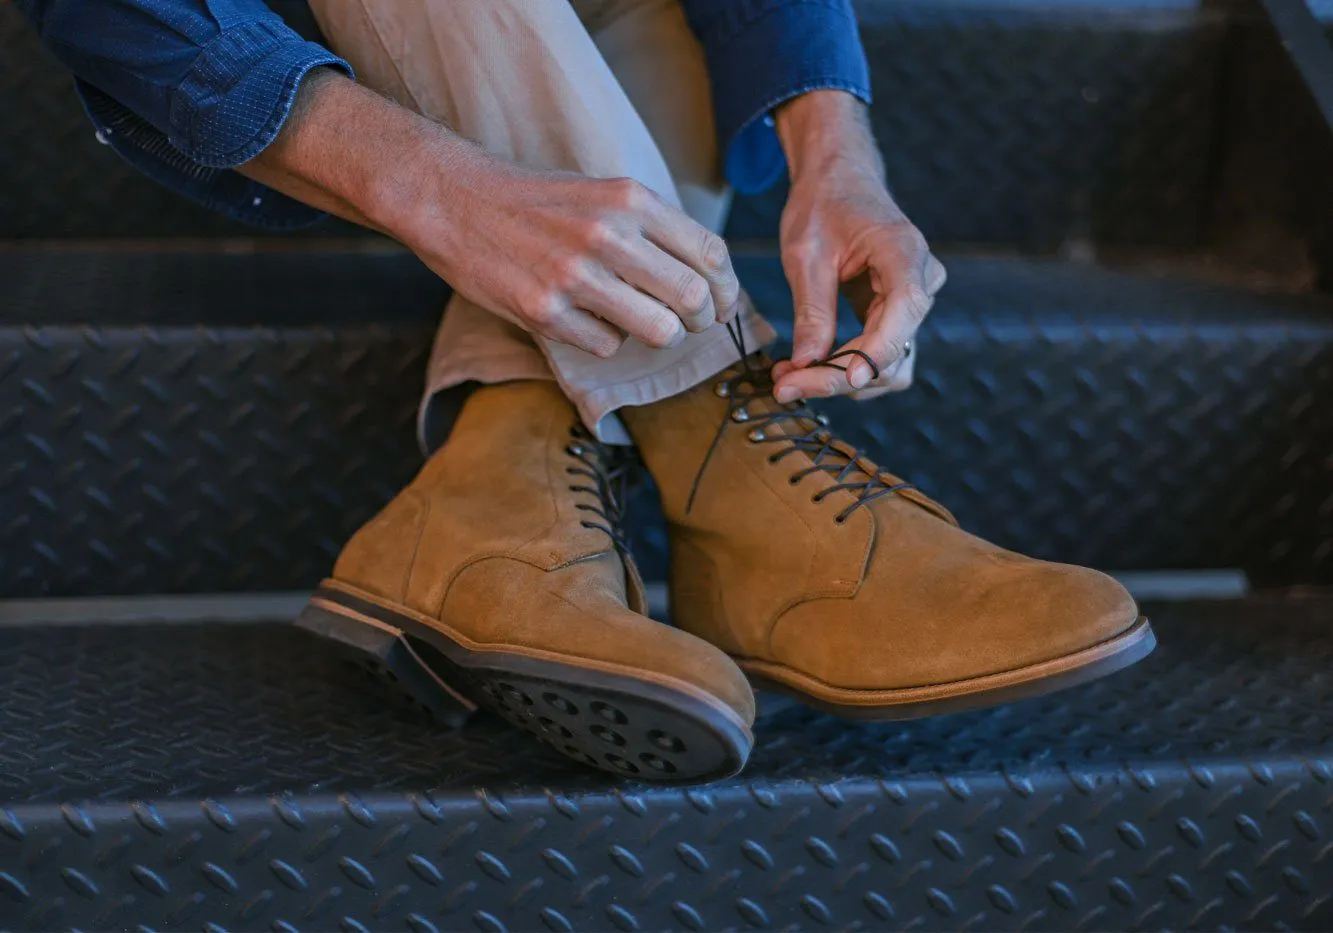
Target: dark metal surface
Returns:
[1274, 201]
[1103, 418]
[240, 776]
[1039, 123]
[1029, 123]
[56, 180]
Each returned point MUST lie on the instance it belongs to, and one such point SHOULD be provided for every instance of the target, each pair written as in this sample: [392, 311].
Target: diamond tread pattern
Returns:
[231, 777]
[196, 444]
[1026, 123]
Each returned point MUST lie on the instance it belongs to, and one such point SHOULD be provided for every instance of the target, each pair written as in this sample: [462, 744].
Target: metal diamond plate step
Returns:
[1018, 122]
[205, 435]
[240, 777]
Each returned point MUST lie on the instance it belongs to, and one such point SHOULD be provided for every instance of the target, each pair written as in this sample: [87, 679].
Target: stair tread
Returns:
[162, 711]
[183, 431]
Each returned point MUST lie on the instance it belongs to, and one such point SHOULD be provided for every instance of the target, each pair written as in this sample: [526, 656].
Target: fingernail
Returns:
[786, 394]
[859, 375]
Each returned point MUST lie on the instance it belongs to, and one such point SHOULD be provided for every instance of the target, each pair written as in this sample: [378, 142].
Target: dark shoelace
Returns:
[812, 437]
[610, 469]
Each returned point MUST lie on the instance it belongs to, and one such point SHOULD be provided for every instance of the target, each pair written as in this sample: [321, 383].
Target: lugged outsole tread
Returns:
[599, 720]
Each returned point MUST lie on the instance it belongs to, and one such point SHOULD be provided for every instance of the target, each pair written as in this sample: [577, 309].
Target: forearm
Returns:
[355, 154]
[823, 129]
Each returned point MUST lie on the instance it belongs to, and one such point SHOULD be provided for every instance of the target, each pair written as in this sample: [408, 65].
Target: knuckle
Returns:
[544, 310]
[833, 384]
[692, 295]
[803, 251]
[627, 193]
[572, 272]
[659, 331]
[936, 275]
[713, 254]
[918, 304]
[607, 347]
[916, 238]
[599, 234]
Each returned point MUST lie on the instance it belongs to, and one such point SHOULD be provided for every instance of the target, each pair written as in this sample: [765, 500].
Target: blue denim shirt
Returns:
[186, 90]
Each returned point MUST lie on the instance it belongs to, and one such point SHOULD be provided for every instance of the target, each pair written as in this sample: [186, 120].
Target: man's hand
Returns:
[580, 260]
[565, 256]
[841, 227]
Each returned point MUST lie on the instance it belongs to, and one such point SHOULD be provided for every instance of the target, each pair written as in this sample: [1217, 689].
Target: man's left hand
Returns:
[842, 228]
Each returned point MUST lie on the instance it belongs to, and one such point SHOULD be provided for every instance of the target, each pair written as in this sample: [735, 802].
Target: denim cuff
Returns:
[780, 53]
[236, 97]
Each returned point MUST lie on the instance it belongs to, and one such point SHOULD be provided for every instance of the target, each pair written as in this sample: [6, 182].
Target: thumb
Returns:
[814, 287]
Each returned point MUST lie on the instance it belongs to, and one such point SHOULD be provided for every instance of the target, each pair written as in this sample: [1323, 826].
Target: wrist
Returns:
[412, 187]
[346, 149]
[824, 130]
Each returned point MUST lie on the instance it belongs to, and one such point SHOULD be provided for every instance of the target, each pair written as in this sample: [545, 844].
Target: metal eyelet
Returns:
[822, 419]
[740, 415]
[576, 450]
[756, 435]
[722, 390]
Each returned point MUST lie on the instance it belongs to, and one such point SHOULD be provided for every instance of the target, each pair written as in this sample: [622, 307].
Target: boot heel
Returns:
[390, 657]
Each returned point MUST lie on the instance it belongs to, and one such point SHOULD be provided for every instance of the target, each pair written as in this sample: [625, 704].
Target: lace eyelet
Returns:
[840, 520]
[773, 458]
[794, 480]
[822, 419]
[817, 498]
[722, 390]
[576, 450]
[740, 415]
[756, 435]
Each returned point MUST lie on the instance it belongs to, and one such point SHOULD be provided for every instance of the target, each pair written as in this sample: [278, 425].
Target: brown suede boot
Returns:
[501, 572]
[829, 579]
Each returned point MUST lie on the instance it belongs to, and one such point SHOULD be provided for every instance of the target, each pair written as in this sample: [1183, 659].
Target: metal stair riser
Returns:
[1139, 847]
[177, 460]
[283, 787]
[1029, 124]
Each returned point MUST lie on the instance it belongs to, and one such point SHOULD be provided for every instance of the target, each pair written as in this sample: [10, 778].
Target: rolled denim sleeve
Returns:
[186, 89]
[763, 52]
[217, 77]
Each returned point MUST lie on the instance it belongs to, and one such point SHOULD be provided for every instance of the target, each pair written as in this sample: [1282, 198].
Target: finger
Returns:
[811, 382]
[565, 324]
[840, 376]
[781, 368]
[896, 380]
[814, 287]
[631, 310]
[668, 280]
[890, 326]
[934, 275]
[699, 248]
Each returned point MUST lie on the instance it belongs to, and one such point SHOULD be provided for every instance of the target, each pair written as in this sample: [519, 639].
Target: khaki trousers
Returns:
[609, 88]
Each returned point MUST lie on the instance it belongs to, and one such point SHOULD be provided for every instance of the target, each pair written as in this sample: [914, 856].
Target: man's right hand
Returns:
[579, 260]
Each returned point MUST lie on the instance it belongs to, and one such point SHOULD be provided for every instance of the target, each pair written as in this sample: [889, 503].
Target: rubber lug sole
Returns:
[1129, 647]
[632, 727]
